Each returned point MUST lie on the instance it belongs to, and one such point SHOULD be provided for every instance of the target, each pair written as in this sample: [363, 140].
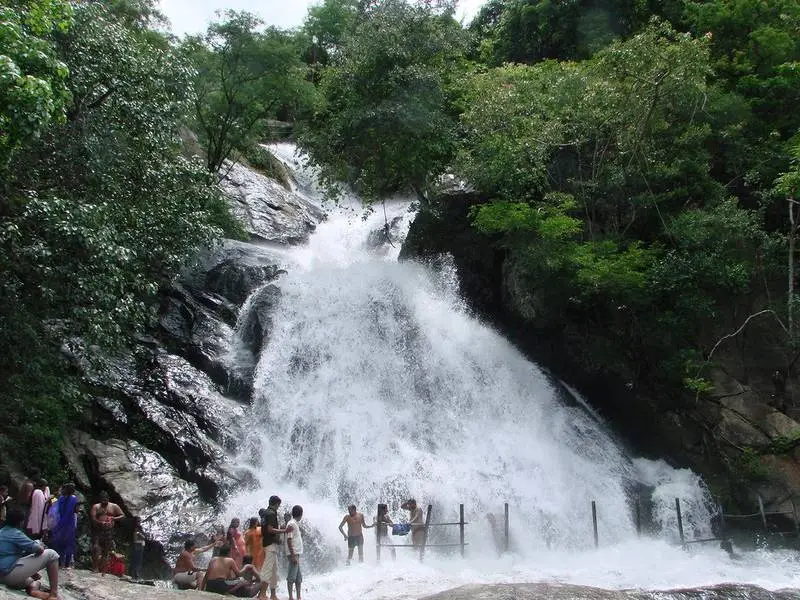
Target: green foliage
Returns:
[784, 444]
[327, 25]
[620, 132]
[32, 89]
[618, 273]
[385, 119]
[97, 212]
[749, 467]
[528, 31]
[244, 77]
[699, 385]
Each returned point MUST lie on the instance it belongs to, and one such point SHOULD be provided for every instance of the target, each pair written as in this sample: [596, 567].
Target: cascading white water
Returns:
[376, 385]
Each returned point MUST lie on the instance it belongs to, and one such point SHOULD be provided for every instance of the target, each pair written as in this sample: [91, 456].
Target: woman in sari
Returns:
[253, 543]
[236, 542]
[63, 535]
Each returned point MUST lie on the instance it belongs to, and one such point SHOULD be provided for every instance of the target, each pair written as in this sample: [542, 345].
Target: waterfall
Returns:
[377, 384]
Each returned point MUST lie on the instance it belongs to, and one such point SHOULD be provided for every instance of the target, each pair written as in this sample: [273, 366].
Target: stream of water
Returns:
[377, 384]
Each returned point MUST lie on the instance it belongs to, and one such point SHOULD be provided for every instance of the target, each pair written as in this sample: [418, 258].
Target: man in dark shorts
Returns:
[355, 534]
[222, 575]
[104, 515]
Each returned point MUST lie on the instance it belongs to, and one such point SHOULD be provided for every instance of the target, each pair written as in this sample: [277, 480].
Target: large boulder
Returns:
[235, 270]
[144, 484]
[257, 323]
[268, 211]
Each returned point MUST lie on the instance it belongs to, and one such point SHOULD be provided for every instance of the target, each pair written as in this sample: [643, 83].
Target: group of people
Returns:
[246, 564]
[39, 531]
[356, 524]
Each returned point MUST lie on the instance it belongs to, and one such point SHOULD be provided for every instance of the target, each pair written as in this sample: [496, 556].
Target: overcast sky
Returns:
[192, 16]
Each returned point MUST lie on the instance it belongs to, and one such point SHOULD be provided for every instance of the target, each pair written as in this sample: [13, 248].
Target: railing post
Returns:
[461, 527]
[425, 534]
[794, 517]
[680, 520]
[505, 527]
[594, 523]
[761, 510]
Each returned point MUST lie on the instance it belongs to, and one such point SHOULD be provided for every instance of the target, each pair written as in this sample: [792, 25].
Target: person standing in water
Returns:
[103, 515]
[271, 538]
[417, 522]
[294, 551]
[382, 523]
[253, 545]
[355, 534]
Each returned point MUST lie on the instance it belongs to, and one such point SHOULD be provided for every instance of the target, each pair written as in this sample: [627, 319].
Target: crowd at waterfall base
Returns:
[40, 532]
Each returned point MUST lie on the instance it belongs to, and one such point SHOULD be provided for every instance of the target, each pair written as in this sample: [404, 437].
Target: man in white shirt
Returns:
[294, 549]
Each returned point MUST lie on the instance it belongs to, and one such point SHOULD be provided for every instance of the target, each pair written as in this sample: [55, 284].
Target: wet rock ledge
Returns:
[83, 585]
[555, 591]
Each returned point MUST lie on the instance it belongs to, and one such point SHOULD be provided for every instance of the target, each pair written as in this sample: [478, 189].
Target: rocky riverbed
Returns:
[83, 585]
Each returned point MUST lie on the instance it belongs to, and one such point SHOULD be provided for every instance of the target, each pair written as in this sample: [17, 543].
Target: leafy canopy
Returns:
[244, 77]
[385, 121]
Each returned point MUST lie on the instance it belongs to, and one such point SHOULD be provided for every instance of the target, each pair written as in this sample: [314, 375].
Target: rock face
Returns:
[549, 591]
[145, 484]
[88, 586]
[269, 212]
[743, 437]
[166, 417]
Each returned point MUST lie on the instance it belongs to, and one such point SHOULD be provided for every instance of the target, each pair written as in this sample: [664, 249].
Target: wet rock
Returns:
[236, 270]
[268, 211]
[554, 591]
[193, 330]
[84, 585]
[388, 235]
[145, 485]
[163, 402]
[257, 323]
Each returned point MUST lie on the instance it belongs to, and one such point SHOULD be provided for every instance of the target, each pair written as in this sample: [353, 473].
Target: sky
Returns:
[192, 16]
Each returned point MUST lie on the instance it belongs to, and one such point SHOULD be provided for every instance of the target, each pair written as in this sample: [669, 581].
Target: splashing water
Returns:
[376, 385]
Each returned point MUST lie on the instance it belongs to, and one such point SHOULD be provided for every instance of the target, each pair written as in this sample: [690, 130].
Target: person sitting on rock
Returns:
[222, 575]
[186, 575]
[249, 572]
[21, 559]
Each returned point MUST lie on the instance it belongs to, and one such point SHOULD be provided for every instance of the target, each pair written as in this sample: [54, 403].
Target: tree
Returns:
[622, 132]
[327, 25]
[32, 78]
[787, 186]
[385, 121]
[100, 210]
[528, 31]
[244, 77]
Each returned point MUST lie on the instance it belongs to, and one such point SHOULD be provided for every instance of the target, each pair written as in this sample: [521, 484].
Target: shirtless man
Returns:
[417, 522]
[222, 575]
[104, 515]
[185, 574]
[355, 535]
